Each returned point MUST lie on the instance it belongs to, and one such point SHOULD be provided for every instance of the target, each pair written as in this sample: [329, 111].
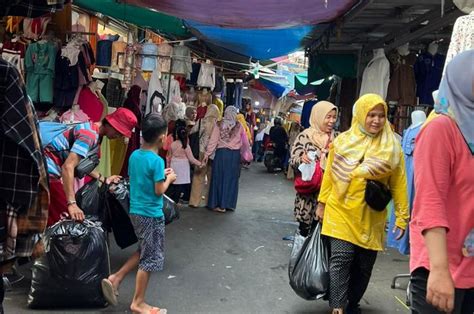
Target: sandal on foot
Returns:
[218, 210]
[110, 294]
[156, 310]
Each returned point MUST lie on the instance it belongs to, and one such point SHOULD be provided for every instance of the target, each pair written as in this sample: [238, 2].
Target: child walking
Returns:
[149, 180]
[180, 158]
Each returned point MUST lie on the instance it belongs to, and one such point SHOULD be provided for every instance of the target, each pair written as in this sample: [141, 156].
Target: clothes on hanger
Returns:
[40, 66]
[428, 72]
[462, 38]
[67, 82]
[175, 91]
[182, 62]
[165, 51]
[402, 80]
[194, 74]
[104, 50]
[115, 94]
[207, 76]
[35, 28]
[155, 97]
[376, 75]
[150, 50]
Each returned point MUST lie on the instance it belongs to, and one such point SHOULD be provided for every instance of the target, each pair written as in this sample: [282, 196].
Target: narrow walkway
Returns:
[236, 262]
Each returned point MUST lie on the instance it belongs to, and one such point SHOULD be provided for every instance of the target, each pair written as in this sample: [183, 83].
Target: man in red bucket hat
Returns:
[73, 151]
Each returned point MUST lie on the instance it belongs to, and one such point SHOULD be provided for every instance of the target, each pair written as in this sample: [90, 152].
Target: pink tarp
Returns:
[256, 14]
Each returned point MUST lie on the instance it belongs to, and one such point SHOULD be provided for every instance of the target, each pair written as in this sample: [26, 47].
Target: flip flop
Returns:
[110, 294]
[156, 310]
[219, 210]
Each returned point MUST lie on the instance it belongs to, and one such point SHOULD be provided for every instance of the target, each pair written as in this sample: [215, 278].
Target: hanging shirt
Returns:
[376, 76]
[462, 38]
[165, 52]
[175, 91]
[306, 113]
[155, 98]
[207, 76]
[104, 53]
[402, 81]
[182, 63]
[428, 72]
[150, 50]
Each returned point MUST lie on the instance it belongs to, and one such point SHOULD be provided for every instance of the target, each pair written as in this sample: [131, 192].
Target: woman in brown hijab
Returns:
[314, 139]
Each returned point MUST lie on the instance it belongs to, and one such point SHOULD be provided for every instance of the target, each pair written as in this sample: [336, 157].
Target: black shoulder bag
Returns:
[377, 195]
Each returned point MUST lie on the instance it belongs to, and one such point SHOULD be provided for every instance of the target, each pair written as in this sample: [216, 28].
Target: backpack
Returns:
[50, 130]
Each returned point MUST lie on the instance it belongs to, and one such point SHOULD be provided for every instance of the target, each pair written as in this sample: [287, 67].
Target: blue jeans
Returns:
[239, 87]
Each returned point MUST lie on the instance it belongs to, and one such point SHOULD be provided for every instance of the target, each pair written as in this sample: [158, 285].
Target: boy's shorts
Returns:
[151, 239]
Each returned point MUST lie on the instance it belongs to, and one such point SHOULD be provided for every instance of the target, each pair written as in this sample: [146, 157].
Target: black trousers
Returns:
[350, 269]
[179, 191]
[463, 298]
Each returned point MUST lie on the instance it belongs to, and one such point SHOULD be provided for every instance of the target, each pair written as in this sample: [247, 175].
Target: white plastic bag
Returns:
[307, 170]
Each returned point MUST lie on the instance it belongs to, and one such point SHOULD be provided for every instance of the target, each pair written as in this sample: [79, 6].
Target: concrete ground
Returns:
[235, 262]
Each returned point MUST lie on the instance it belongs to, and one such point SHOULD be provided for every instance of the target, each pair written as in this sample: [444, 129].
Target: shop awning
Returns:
[252, 14]
[256, 43]
[139, 16]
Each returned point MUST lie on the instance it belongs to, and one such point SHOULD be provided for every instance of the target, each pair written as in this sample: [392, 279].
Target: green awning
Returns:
[325, 65]
[139, 16]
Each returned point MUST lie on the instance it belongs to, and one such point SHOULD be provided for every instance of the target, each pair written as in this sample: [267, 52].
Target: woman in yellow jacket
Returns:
[367, 151]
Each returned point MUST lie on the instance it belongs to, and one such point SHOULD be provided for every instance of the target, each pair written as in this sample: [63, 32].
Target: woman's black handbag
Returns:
[377, 195]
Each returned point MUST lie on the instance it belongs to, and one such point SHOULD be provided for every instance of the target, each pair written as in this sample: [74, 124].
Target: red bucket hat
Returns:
[122, 120]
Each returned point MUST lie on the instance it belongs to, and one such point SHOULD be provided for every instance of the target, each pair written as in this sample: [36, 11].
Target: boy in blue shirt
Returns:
[149, 180]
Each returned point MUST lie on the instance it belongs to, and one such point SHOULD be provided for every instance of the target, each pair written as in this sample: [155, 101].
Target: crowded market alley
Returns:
[245, 156]
[237, 263]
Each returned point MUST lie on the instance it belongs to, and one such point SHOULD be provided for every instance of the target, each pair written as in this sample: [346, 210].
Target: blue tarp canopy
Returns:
[262, 44]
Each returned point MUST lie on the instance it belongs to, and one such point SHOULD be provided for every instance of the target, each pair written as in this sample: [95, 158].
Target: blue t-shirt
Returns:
[145, 169]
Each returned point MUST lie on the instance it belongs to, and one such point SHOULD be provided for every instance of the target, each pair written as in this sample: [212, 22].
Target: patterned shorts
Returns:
[151, 239]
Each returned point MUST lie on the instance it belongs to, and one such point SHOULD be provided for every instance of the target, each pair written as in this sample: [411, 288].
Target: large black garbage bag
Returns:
[91, 198]
[69, 274]
[118, 207]
[170, 210]
[309, 265]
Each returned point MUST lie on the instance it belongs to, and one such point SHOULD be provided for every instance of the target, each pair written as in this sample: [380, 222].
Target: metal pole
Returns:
[169, 81]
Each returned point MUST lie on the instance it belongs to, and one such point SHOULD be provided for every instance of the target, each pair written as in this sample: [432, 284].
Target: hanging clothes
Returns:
[402, 81]
[70, 64]
[182, 62]
[428, 72]
[150, 50]
[165, 52]
[174, 92]
[408, 146]
[462, 38]
[376, 75]
[207, 76]
[35, 28]
[155, 99]
[194, 74]
[115, 94]
[40, 66]
[104, 52]
[230, 94]
[90, 103]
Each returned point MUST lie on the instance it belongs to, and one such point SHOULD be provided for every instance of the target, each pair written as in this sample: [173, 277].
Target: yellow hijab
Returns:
[241, 119]
[380, 153]
[315, 132]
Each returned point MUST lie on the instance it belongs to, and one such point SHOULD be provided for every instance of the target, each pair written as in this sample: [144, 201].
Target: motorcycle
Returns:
[272, 162]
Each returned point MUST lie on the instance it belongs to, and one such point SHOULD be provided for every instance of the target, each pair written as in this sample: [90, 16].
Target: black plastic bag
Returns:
[90, 198]
[70, 272]
[309, 265]
[170, 210]
[118, 207]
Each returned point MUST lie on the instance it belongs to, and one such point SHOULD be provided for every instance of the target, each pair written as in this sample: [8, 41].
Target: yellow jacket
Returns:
[350, 219]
